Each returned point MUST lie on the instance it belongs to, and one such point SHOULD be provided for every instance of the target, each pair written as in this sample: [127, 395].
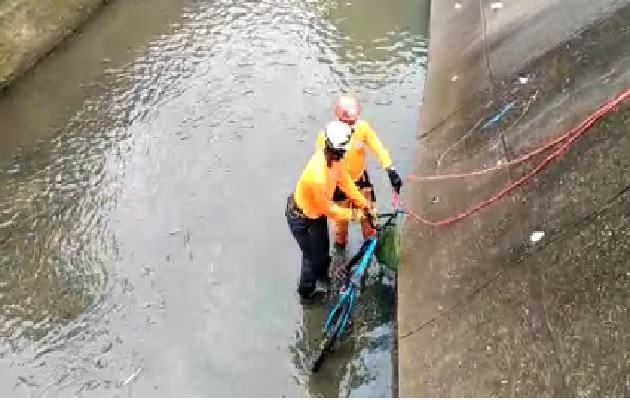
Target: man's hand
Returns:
[357, 214]
[394, 179]
[360, 214]
[371, 214]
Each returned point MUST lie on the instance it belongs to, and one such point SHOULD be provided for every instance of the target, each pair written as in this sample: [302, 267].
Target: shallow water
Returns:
[144, 169]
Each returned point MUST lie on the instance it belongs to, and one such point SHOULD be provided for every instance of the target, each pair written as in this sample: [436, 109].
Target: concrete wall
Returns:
[30, 29]
[483, 310]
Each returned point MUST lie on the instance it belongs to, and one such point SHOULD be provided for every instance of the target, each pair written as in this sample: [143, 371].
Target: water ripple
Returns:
[107, 218]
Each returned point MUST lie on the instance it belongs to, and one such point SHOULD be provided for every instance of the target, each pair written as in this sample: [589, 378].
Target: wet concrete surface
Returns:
[30, 29]
[483, 309]
[144, 168]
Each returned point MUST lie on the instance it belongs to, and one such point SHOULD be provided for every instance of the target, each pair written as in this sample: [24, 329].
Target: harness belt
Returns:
[293, 210]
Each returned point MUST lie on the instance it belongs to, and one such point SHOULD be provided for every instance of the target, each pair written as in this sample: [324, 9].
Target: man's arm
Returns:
[347, 185]
[383, 155]
[328, 207]
[377, 147]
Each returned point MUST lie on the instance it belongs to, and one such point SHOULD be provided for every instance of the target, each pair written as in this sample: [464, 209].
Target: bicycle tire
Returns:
[324, 349]
[331, 337]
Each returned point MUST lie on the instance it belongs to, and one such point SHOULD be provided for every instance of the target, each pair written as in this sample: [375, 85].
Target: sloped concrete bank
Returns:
[30, 29]
[486, 307]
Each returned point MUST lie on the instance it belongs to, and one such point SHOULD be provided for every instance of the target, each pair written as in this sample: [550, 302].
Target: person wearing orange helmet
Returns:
[311, 204]
[347, 111]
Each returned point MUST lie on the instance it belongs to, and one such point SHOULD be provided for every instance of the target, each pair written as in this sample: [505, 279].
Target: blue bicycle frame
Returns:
[337, 319]
[349, 293]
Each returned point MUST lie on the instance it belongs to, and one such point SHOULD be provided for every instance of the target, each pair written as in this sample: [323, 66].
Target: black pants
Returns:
[312, 237]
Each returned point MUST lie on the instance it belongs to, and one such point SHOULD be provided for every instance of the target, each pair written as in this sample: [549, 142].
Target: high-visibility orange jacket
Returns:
[354, 159]
[314, 190]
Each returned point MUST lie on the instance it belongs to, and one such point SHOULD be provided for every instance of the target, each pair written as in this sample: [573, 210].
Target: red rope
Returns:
[567, 139]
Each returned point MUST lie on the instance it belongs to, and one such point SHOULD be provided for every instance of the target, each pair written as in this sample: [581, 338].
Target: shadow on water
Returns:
[123, 192]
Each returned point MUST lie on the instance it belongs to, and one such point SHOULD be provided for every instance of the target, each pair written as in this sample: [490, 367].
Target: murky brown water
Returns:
[143, 172]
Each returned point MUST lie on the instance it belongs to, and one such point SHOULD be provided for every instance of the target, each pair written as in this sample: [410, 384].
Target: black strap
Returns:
[293, 210]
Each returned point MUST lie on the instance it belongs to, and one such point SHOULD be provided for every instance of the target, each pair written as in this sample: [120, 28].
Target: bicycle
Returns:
[337, 319]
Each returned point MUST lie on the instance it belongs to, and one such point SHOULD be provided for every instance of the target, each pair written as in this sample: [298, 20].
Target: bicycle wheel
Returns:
[331, 337]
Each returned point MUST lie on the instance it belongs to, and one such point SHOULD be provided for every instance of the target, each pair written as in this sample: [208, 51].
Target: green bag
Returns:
[388, 246]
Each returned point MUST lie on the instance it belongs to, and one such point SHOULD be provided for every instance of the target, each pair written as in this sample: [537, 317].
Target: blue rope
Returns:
[498, 116]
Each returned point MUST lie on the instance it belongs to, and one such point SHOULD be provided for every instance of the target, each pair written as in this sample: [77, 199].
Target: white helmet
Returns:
[338, 135]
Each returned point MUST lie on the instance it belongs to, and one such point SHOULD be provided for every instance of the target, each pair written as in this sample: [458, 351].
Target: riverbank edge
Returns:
[32, 29]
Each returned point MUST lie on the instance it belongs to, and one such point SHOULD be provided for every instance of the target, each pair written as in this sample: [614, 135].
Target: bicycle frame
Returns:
[355, 268]
[352, 282]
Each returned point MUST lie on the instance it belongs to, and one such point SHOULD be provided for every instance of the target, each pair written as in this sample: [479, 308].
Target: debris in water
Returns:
[458, 5]
[522, 79]
[132, 376]
[434, 199]
[107, 348]
[536, 236]
[454, 78]
[496, 5]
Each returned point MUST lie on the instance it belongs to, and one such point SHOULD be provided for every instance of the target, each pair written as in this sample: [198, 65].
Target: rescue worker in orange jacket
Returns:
[311, 204]
[347, 111]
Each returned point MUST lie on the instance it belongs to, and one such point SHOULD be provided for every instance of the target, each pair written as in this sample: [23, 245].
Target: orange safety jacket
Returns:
[314, 190]
[354, 159]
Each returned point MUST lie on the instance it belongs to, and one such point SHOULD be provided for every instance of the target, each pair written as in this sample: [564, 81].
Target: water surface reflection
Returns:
[136, 210]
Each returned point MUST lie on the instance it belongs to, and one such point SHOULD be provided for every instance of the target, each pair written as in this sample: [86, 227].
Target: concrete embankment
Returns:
[30, 29]
[529, 296]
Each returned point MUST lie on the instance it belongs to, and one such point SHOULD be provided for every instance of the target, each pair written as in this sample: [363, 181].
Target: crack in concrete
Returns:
[561, 383]
[557, 379]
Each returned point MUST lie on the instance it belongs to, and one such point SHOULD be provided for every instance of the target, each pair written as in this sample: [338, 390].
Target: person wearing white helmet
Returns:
[311, 204]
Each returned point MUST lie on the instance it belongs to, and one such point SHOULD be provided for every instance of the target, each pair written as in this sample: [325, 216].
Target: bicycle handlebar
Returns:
[390, 216]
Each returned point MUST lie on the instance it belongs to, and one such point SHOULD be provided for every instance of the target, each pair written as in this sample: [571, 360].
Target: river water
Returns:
[144, 168]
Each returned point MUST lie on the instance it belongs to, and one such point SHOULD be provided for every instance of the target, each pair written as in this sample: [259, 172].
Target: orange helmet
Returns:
[347, 110]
